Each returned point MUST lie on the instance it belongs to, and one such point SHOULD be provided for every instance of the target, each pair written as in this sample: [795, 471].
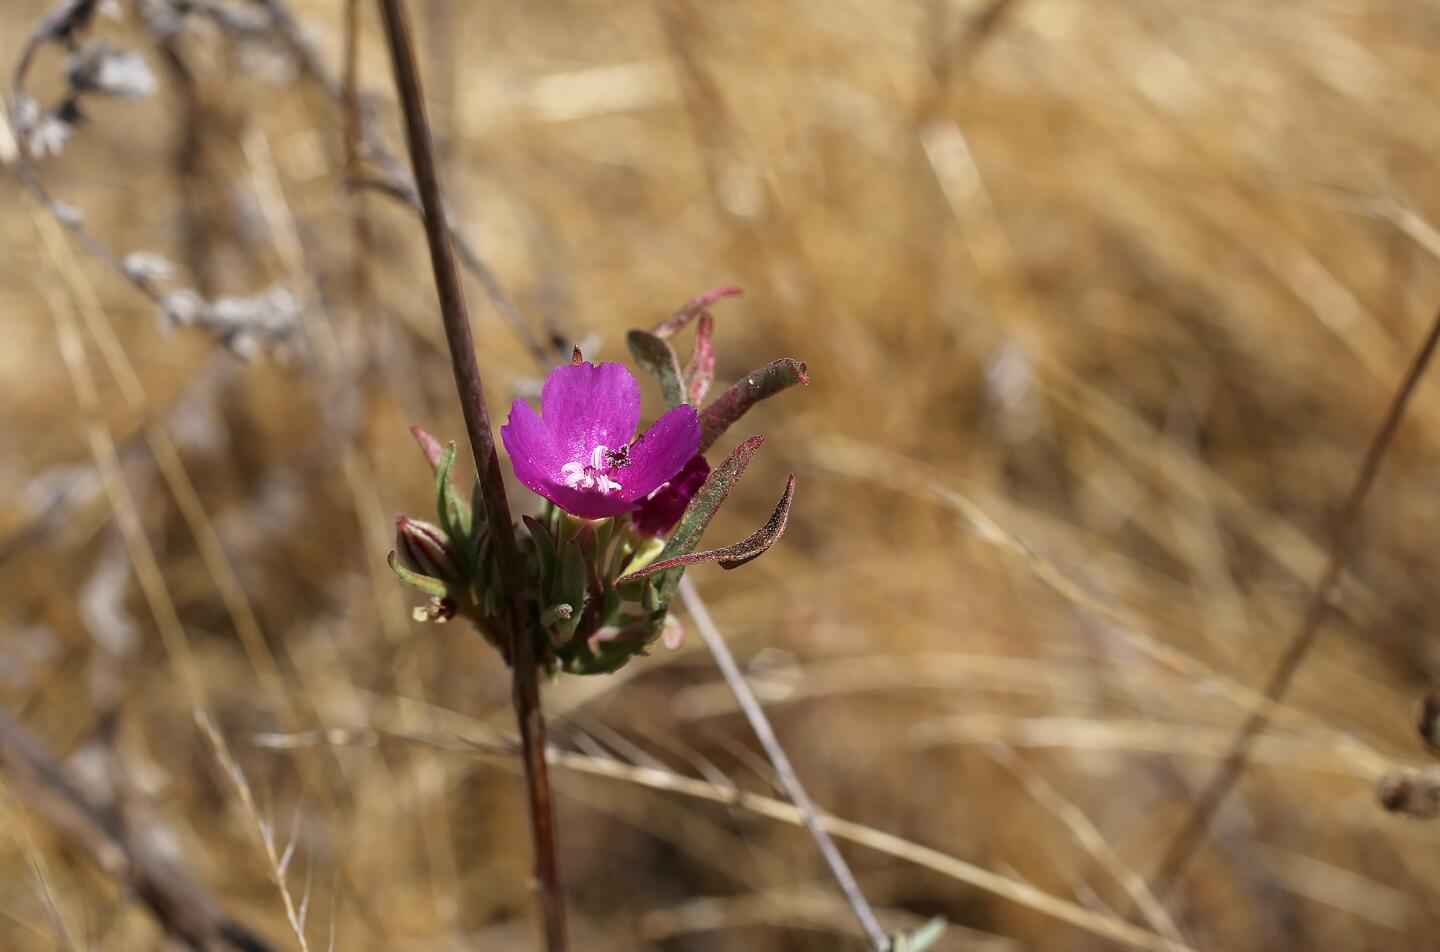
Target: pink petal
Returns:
[587, 504]
[533, 450]
[590, 405]
[662, 452]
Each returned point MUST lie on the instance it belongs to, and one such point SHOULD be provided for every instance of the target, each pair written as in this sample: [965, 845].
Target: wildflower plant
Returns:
[621, 515]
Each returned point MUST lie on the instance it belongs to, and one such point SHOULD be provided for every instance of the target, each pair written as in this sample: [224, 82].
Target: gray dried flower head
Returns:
[161, 19]
[181, 308]
[25, 113]
[101, 68]
[251, 325]
[145, 266]
[41, 133]
[69, 215]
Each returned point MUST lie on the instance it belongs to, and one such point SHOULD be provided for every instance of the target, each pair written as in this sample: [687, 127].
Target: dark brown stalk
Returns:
[487, 463]
[1183, 847]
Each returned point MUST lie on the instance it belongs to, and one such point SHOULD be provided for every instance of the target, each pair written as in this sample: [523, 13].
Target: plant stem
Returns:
[526, 688]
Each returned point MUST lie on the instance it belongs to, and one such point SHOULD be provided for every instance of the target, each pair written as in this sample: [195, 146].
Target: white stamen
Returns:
[592, 475]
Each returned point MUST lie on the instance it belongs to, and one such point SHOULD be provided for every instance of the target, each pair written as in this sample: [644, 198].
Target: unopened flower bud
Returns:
[424, 548]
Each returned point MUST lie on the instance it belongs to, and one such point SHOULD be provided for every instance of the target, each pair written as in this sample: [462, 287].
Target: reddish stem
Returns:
[526, 690]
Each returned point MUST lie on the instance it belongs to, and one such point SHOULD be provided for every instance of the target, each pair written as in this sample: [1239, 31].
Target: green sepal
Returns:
[606, 657]
[610, 605]
[569, 585]
[455, 517]
[421, 583]
[658, 359]
[650, 597]
[589, 542]
[647, 550]
[544, 551]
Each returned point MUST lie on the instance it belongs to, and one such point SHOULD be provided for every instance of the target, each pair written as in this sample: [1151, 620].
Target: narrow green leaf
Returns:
[544, 550]
[454, 514]
[658, 359]
[758, 385]
[421, 583]
[732, 556]
[570, 585]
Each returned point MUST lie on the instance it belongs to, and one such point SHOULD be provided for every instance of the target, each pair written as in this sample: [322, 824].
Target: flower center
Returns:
[596, 473]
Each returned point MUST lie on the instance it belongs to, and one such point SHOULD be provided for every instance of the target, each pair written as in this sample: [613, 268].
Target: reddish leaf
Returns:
[700, 372]
[732, 556]
[692, 309]
[430, 446]
[758, 385]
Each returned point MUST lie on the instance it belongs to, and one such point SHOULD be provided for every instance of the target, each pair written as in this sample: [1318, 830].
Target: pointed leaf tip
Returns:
[692, 309]
[698, 514]
[658, 359]
[700, 372]
[758, 385]
[733, 556]
[428, 445]
[422, 583]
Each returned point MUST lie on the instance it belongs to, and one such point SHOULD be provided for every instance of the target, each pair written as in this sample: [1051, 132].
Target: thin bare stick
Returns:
[1183, 846]
[526, 685]
[760, 724]
[278, 859]
[492, 743]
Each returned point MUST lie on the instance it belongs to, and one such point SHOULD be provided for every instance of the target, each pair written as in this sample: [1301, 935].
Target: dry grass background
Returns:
[1101, 301]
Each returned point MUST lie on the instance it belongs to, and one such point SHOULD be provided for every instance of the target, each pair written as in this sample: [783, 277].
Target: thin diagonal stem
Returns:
[1183, 847]
[526, 691]
[760, 724]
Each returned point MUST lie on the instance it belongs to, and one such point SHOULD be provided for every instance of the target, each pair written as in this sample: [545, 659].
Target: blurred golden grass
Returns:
[1101, 304]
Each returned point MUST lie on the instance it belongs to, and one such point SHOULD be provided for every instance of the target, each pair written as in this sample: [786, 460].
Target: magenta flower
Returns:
[579, 452]
[659, 512]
